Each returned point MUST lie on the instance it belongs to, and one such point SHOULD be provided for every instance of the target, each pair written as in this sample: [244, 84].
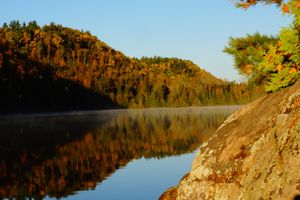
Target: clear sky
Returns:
[196, 30]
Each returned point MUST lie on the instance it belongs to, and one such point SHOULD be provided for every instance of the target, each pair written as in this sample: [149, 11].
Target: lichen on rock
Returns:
[255, 154]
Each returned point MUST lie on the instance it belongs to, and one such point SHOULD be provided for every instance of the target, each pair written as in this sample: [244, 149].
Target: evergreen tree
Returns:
[273, 61]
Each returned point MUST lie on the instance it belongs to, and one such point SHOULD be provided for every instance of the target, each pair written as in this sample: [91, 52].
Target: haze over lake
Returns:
[117, 154]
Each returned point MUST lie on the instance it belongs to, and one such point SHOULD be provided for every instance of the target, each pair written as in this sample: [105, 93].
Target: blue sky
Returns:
[196, 30]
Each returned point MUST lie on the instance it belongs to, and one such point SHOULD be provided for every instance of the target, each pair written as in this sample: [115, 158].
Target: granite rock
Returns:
[255, 154]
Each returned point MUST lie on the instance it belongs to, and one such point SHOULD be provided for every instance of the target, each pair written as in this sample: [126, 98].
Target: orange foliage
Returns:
[285, 8]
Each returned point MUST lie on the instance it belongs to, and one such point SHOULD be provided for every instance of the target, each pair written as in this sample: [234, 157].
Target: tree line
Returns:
[63, 62]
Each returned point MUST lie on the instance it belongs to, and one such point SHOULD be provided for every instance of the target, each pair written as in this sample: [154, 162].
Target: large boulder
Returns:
[253, 155]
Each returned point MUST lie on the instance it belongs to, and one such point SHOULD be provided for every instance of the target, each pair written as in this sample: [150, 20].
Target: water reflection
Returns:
[59, 155]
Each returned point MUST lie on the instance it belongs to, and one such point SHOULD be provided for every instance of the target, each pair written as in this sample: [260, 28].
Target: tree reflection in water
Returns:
[60, 155]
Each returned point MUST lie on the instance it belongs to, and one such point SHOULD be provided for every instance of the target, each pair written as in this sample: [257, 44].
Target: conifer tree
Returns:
[275, 62]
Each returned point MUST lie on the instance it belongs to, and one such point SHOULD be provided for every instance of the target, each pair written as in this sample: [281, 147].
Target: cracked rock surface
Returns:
[255, 154]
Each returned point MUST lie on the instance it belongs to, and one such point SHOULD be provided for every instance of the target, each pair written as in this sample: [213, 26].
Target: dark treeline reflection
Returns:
[59, 155]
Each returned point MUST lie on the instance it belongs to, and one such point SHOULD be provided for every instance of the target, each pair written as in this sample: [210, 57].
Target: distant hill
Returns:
[54, 68]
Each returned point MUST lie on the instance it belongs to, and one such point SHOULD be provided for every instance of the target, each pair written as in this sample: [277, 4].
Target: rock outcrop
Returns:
[255, 154]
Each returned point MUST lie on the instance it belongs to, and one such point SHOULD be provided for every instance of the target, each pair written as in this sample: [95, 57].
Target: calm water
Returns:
[120, 154]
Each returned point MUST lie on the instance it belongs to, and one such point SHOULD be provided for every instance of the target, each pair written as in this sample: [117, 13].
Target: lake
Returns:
[110, 154]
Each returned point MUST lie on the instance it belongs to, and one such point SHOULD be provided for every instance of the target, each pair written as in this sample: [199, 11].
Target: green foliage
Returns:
[248, 52]
[273, 62]
[281, 61]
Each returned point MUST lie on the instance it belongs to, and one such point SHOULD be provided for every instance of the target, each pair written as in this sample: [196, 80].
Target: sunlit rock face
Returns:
[253, 155]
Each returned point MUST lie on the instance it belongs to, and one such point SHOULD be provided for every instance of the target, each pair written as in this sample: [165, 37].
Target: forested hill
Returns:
[55, 67]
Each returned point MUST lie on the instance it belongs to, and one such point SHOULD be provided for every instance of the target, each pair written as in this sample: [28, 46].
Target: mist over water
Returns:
[128, 154]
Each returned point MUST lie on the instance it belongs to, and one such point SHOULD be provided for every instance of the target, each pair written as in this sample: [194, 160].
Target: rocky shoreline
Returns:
[255, 154]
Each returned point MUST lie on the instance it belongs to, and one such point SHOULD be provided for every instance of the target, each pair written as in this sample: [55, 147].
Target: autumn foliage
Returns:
[37, 61]
[273, 62]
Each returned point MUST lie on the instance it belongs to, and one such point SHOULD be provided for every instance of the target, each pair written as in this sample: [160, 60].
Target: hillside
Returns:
[253, 155]
[59, 68]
